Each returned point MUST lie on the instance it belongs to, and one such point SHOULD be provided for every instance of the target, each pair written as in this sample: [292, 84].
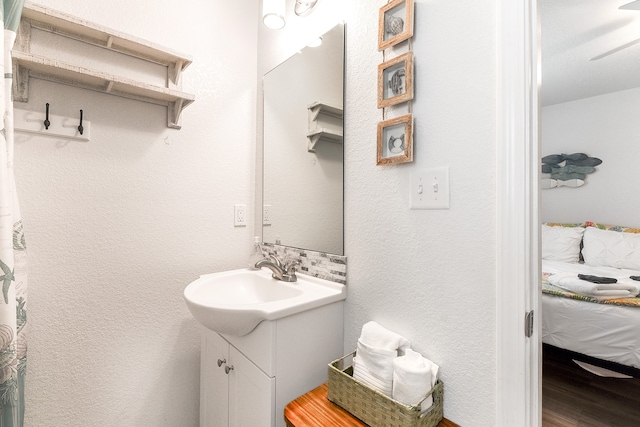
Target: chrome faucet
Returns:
[281, 271]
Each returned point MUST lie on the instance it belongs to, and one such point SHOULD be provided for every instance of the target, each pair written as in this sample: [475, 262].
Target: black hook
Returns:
[47, 123]
[80, 128]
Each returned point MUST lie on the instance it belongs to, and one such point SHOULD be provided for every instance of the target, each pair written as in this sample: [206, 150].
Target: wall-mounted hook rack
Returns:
[60, 127]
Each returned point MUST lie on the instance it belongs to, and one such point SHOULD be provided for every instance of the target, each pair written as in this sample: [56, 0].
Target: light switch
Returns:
[430, 188]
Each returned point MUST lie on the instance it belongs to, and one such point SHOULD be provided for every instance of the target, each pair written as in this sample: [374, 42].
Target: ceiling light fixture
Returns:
[273, 12]
[303, 7]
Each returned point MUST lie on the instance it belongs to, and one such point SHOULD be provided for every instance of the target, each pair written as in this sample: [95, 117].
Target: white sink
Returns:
[235, 302]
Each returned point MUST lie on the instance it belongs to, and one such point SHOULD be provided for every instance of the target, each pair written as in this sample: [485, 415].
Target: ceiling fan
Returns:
[634, 5]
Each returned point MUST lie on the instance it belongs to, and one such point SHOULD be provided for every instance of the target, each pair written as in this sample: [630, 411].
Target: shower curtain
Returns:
[13, 315]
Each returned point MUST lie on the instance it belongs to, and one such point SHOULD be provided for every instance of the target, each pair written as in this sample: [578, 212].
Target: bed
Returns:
[603, 325]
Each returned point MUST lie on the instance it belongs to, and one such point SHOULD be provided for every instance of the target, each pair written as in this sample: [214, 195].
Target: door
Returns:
[251, 394]
[214, 382]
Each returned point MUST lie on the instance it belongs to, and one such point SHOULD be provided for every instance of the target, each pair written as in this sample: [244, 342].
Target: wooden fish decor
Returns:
[555, 183]
[567, 170]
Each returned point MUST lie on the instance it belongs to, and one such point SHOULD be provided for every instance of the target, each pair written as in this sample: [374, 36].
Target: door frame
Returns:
[518, 370]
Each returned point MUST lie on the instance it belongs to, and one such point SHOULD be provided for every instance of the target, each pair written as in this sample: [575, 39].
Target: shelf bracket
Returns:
[174, 110]
[21, 83]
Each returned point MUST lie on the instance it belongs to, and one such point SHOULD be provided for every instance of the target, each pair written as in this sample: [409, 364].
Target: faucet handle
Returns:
[291, 267]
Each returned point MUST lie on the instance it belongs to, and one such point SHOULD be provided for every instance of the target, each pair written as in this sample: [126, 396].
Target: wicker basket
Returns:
[373, 407]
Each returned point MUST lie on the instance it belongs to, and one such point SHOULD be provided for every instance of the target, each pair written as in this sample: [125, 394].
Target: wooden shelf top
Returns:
[315, 410]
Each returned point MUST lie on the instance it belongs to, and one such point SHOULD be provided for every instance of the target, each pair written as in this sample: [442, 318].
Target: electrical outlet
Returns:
[239, 217]
[266, 215]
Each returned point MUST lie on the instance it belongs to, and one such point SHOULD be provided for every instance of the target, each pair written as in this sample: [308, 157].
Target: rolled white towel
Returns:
[413, 377]
[375, 335]
[374, 367]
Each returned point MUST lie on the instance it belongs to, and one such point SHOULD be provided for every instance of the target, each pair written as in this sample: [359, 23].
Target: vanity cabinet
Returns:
[247, 381]
[232, 384]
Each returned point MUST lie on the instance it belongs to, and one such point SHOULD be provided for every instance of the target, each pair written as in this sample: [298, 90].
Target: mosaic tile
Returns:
[318, 264]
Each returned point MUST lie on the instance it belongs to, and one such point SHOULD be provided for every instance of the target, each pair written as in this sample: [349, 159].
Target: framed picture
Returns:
[395, 80]
[395, 23]
[395, 140]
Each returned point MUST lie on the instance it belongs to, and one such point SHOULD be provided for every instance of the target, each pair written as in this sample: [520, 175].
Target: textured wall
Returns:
[118, 226]
[605, 127]
[429, 275]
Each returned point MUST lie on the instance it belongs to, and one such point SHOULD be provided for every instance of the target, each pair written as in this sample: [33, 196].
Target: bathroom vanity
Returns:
[248, 380]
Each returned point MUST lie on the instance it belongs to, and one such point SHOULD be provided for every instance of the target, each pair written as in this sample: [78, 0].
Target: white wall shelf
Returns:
[28, 65]
[325, 124]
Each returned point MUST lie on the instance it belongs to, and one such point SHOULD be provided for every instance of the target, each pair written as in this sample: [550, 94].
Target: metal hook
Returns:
[47, 123]
[80, 128]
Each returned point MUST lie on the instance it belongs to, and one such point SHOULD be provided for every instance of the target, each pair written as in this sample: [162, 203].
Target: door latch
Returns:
[528, 324]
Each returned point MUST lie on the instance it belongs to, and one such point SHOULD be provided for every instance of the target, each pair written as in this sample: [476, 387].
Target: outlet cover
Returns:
[239, 215]
[266, 215]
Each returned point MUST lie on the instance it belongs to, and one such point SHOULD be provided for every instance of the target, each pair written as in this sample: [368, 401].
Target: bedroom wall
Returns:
[117, 227]
[606, 127]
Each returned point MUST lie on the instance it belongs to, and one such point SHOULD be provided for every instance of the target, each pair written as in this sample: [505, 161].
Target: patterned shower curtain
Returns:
[13, 315]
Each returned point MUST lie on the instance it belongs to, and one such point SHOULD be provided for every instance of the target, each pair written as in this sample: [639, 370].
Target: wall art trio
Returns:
[395, 83]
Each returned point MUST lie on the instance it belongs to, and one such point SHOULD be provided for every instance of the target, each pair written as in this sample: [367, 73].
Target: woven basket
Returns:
[373, 407]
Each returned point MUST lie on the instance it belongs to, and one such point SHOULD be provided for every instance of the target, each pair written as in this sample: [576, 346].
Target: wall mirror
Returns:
[303, 148]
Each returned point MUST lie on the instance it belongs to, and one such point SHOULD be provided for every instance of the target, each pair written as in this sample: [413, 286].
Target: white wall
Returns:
[118, 226]
[606, 127]
[429, 275]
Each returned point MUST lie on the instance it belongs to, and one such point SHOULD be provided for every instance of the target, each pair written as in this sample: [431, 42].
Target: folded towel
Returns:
[375, 335]
[623, 288]
[413, 377]
[374, 367]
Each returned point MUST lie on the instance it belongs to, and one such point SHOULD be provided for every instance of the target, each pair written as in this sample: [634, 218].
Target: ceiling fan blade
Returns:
[634, 5]
[618, 49]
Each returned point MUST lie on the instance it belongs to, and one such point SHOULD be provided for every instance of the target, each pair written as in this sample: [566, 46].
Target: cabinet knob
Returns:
[221, 361]
[228, 369]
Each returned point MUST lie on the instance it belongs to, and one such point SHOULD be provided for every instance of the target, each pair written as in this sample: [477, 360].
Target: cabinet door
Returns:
[214, 382]
[251, 394]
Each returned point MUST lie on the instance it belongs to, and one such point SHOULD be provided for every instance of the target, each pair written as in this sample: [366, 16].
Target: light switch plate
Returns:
[430, 188]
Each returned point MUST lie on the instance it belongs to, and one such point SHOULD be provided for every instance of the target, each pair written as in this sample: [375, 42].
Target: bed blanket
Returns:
[550, 289]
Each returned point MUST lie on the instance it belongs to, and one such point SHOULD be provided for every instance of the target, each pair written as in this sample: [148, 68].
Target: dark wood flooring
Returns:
[573, 397]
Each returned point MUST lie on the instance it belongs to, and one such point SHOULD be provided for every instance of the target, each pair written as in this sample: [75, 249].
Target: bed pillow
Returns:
[610, 248]
[561, 243]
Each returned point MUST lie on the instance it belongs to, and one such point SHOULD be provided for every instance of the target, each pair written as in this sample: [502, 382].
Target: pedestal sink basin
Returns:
[235, 302]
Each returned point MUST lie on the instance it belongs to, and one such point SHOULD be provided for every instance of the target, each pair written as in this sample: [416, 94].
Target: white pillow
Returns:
[611, 248]
[561, 243]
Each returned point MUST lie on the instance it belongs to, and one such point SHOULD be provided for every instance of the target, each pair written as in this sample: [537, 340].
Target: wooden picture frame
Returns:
[395, 80]
[395, 140]
[395, 23]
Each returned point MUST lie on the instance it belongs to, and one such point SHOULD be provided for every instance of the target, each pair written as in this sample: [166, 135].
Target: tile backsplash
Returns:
[318, 264]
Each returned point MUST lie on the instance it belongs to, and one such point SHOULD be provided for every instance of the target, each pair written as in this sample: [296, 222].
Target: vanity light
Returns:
[273, 13]
[303, 7]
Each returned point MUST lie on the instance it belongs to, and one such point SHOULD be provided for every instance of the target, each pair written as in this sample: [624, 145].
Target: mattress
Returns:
[605, 331]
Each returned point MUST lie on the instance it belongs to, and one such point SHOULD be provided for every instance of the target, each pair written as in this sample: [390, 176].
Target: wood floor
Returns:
[573, 397]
